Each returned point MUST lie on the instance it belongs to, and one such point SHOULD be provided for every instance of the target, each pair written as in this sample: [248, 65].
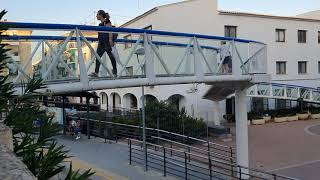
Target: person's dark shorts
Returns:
[227, 60]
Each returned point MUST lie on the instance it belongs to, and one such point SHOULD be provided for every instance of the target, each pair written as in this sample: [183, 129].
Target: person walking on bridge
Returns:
[105, 43]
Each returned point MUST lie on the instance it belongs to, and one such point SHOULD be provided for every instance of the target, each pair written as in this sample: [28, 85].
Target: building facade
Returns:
[293, 51]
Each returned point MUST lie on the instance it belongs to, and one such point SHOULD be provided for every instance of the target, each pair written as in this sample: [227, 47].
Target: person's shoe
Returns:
[78, 137]
[114, 72]
[93, 74]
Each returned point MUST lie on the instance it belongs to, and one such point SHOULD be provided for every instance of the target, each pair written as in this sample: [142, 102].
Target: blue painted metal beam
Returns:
[46, 26]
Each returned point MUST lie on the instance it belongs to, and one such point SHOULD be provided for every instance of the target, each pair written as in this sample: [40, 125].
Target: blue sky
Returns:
[81, 11]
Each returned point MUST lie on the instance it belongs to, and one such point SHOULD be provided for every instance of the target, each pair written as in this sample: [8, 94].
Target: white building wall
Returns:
[203, 17]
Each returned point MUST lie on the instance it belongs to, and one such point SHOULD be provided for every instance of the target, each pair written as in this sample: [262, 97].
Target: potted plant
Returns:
[279, 118]
[292, 117]
[267, 118]
[315, 113]
[303, 115]
[257, 119]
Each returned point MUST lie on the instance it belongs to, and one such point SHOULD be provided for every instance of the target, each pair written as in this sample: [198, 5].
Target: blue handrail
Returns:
[289, 85]
[46, 26]
[93, 39]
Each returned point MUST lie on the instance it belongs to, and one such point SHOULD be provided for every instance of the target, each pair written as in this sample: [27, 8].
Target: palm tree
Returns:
[33, 131]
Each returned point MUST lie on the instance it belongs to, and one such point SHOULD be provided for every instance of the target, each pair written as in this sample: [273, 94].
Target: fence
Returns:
[117, 131]
[186, 165]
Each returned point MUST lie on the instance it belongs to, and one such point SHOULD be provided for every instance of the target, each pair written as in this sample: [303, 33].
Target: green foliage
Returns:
[33, 131]
[75, 175]
[169, 117]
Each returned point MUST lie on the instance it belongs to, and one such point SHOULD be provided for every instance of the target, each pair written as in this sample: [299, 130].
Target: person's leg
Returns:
[113, 61]
[100, 52]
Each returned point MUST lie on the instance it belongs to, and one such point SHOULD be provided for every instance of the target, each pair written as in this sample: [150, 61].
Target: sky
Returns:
[83, 11]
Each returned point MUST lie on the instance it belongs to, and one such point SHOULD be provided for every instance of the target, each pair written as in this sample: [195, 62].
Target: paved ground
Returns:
[291, 149]
[110, 160]
[287, 148]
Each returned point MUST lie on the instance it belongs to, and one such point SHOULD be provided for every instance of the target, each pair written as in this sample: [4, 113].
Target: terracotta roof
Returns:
[234, 13]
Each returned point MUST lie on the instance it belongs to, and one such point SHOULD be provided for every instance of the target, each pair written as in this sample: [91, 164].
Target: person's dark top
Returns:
[104, 37]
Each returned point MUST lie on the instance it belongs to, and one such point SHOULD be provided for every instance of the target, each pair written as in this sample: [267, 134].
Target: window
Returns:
[319, 37]
[319, 67]
[230, 31]
[127, 44]
[148, 27]
[129, 71]
[302, 36]
[281, 67]
[302, 67]
[280, 35]
[283, 104]
[16, 53]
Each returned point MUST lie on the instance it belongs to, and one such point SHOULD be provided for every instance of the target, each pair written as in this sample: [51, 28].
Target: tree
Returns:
[33, 131]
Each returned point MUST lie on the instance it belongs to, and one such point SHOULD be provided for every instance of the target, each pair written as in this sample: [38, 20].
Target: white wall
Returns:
[202, 17]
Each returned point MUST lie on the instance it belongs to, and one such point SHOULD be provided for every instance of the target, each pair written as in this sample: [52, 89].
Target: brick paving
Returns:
[287, 146]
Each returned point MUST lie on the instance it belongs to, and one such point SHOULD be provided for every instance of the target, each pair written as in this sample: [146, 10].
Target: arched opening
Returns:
[95, 99]
[177, 100]
[149, 99]
[130, 101]
[116, 101]
[103, 100]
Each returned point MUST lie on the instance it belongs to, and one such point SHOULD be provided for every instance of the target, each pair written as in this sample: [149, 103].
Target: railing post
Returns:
[104, 133]
[164, 162]
[130, 152]
[189, 149]
[210, 168]
[88, 121]
[240, 172]
[146, 157]
[185, 166]
[231, 160]
[274, 177]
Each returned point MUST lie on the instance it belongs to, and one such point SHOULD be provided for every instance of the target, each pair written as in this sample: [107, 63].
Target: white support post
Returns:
[242, 131]
[149, 67]
[83, 71]
[203, 56]
[28, 61]
[198, 72]
[186, 54]
[61, 60]
[90, 63]
[187, 68]
[285, 92]
[95, 53]
[130, 55]
[236, 65]
[242, 66]
[104, 73]
[56, 58]
[43, 59]
[20, 68]
[159, 57]
[217, 113]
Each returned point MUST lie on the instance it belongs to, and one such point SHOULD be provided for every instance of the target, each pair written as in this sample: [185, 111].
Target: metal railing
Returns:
[166, 57]
[117, 131]
[182, 164]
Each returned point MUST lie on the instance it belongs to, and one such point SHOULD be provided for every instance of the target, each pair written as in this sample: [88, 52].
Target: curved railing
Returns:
[139, 53]
[285, 91]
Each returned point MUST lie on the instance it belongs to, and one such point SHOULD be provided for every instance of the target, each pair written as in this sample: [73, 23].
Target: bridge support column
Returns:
[242, 131]
[216, 113]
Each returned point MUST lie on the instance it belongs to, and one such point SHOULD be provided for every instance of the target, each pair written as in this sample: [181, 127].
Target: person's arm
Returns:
[110, 35]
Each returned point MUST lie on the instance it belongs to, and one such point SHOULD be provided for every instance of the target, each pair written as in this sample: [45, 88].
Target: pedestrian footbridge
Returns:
[64, 56]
